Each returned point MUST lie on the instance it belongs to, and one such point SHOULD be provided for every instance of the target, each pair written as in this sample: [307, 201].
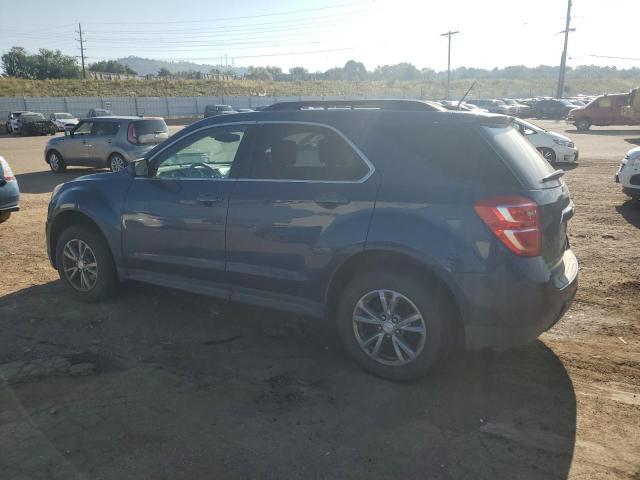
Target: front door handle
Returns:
[209, 199]
[331, 200]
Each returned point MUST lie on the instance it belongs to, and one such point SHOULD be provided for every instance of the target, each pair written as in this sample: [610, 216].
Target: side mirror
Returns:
[67, 133]
[139, 168]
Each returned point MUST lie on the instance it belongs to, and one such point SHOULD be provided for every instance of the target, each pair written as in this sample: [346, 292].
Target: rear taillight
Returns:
[515, 221]
[132, 135]
[6, 169]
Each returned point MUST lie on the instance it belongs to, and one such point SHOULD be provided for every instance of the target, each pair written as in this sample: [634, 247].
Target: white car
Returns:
[12, 122]
[555, 148]
[63, 121]
[629, 173]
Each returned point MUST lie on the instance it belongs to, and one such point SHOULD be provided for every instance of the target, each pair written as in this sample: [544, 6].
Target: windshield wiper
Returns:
[552, 176]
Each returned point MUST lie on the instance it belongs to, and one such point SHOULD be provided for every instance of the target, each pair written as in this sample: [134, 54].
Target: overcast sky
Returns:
[321, 34]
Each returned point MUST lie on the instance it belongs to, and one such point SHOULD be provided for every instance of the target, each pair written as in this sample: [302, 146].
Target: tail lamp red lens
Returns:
[515, 221]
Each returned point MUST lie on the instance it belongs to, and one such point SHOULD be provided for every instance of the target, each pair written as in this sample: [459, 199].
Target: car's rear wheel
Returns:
[85, 264]
[548, 154]
[117, 162]
[8, 127]
[583, 124]
[4, 215]
[56, 162]
[393, 324]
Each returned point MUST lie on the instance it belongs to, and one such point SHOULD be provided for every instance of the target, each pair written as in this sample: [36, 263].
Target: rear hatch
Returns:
[540, 183]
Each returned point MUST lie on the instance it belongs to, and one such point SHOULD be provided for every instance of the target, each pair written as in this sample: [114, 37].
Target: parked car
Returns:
[555, 148]
[632, 111]
[12, 122]
[628, 175]
[552, 109]
[63, 121]
[9, 191]
[99, 112]
[214, 110]
[243, 109]
[494, 106]
[412, 229]
[522, 110]
[604, 110]
[110, 142]
[31, 123]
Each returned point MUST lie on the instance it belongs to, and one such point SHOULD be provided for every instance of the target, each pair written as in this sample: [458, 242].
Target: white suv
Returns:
[629, 173]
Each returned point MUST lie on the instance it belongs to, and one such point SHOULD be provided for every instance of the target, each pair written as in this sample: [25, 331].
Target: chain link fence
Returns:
[167, 107]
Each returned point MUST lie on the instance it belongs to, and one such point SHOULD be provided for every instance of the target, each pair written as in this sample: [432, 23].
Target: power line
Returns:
[616, 58]
[224, 19]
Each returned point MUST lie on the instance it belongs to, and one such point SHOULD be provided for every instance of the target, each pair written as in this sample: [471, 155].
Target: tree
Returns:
[276, 72]
[298, 73]
[164, 72]
[355, 71]
[259, 73]
[111, 66]
[16, 63]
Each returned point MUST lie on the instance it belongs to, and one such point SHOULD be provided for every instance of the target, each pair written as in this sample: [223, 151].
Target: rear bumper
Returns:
[514, 306]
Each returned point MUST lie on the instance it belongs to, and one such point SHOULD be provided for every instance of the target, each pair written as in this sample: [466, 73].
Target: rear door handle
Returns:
[331, 200]
[209, 199]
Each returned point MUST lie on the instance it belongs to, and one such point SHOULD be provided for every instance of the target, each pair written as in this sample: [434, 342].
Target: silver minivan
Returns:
[103, 142]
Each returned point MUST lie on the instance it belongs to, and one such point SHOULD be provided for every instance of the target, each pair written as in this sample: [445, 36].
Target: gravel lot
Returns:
[158, 384]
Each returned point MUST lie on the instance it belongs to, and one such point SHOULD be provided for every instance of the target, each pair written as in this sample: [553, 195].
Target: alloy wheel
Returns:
[117, 163]
[54, 162]
[389, 327]
[80, 265]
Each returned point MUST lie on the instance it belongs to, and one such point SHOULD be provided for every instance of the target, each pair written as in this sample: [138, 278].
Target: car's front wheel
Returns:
[85, 264]
[117, 162]
[393, 324]
[583, 124]
[548, 154]
[56, 162]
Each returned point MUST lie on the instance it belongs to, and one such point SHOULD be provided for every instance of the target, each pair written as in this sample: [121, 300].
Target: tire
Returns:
[583, 125]
[87, 284]
[427, 298]
[56, 162]
[117, 162]
[548, 154]
[4, 215]
[8, 128]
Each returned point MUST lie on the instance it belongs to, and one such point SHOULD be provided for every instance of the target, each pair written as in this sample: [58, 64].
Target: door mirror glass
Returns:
[139, 168]
[68, 133]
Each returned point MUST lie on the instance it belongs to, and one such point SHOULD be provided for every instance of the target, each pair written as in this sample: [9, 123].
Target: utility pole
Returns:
[79, 32]
[449, 34]
[563, 59]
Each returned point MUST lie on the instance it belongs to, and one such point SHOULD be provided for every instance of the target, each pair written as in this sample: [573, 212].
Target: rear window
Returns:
[146, 127]
[523, 158]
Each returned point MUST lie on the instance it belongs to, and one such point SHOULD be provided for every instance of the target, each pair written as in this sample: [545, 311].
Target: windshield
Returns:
[32, 117]
[224, 108]
[63, 115]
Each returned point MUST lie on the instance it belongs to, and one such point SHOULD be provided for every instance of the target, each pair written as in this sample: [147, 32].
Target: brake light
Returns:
[132, 135]
[7, 172]
[515, 221]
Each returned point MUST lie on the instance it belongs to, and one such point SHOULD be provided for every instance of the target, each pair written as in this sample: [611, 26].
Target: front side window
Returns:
[83, 128]
[305, 153]
[206, 154]
[604, 102]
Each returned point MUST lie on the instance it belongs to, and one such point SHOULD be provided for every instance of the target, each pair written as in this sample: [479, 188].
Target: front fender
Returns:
[99, 198]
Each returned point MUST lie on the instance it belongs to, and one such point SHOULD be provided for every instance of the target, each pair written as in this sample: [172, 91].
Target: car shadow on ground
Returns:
[634, 141]
[45, 182]
[606, 133]
[567, 166]
[630, 211]
[185, 385]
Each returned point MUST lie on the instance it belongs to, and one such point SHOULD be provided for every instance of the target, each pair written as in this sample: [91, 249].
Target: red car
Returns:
[604, 110]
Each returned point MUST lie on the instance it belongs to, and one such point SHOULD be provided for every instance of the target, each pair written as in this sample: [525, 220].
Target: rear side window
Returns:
[435, 153]
[305, 152]
[146, 127]
[523, 158]
[106, 129]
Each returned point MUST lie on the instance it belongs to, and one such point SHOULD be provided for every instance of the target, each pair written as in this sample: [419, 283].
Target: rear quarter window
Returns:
[436, 153]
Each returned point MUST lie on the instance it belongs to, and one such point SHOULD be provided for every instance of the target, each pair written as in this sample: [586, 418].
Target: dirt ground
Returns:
[158, 384]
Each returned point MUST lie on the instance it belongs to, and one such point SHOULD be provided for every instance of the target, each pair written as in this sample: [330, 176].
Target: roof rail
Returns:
[380, 104]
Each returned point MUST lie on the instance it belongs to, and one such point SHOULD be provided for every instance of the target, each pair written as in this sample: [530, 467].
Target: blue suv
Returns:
[413, 229]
